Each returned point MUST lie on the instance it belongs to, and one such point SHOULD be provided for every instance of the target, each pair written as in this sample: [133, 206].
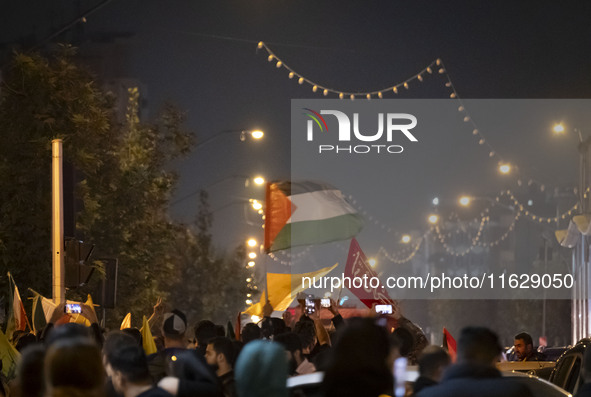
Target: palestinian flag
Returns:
[307, 213]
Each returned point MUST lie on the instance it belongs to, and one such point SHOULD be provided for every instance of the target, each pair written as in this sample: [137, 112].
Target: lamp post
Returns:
[254, 134]
[580, 301]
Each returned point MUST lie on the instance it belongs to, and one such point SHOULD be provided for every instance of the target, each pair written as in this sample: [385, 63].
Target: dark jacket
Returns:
[421, 383]
[469, 380]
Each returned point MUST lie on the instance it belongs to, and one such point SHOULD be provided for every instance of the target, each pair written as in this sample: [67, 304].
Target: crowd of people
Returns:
[357, 360]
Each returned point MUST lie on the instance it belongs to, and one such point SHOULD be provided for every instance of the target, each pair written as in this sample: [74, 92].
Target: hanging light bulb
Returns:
[429, 70]
[466, 119]
[315, 88]
[368, 96]
[461, 109]
[301, 80]
[278, 65]
[380, 95]
[420, 77]
[406, 85]
[352, 97]
[260, 45]
[481, 142]
[475, 132]
[325, 92]
[438, 61]
[448, 84]
[341, 95]
[270, 58]
[395, 89]
[452, 95]
[441, 71]
[491, 154]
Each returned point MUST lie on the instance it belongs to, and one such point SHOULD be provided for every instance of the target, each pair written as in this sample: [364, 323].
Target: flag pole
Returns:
[57, 222]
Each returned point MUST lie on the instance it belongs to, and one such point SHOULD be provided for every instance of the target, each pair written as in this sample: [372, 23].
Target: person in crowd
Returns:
[73, 367]
[359, 362]
[432, 362]
[220, 355]
[261, 370]
[204, 331]
[173, 329]
[524, 348]
[190, 376]
[250, 332]
[297, 363]
[30, 376]
[475, 374]
[585, 389]
[135, 334]
[127, 367]
[115, 340]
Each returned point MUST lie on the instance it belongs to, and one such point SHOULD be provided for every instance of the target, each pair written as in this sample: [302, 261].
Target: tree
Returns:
[124, 187]
[212, 286]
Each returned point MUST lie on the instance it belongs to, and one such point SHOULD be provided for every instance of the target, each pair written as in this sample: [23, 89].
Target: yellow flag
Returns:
[283, 288]
[126, 323]
[147, 339]
[9, 356]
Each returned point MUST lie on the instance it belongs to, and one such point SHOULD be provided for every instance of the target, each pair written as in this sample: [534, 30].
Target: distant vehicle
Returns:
[539, 387]
[566, 373]
[541, 369]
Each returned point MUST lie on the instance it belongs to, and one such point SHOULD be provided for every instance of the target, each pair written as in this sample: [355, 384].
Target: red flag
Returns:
[449, 343]
[364, 282]
[237, 327]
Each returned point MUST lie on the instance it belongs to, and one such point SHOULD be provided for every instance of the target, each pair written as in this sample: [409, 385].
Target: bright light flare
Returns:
[251, 242]
[558, 128]
[433, 219]
[258, 180]
[252, 255]
[372, 262]
[257, 134]
[505, 168]
[465, 201]
[406, 239]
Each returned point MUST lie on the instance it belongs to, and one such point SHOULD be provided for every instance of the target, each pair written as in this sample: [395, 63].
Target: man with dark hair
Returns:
[298, 364]
[524, 348]
[475, 373]
[250, 332]
[128, 369]
[205, 330]
[585, 390]
[432, 362]
[220, 355]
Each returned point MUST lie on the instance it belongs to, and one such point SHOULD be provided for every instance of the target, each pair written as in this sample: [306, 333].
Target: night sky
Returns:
[203, 57]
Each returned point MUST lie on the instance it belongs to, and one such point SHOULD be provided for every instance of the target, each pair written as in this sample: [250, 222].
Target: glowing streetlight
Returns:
[257, 134]
[504, 168]
[248, 301]
[252, 255]
[248, 280]
[258, 180]
[558, 128]
[251, 242]
[435, 201]
[251, 263]
[433, 219]
[372, 262]
[406, 239]
[257, 205]
[465, 201]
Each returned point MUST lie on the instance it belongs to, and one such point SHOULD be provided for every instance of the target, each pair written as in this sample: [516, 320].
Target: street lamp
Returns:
[433, 219]
[254, 134]
[258, 180]
[465, 201]
[504, 168]
[372, 262]
[251, 242]
[406, 239]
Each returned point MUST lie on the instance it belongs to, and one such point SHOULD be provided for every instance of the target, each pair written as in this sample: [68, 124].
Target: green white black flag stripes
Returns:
[307, 213]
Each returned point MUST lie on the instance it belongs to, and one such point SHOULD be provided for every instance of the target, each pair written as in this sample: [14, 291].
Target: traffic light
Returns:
[77, 268]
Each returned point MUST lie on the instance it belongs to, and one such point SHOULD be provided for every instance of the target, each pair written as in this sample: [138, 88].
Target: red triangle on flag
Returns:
[449, 343]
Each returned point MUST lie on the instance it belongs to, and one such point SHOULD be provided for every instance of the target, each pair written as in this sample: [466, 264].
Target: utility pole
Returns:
[57, 222]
